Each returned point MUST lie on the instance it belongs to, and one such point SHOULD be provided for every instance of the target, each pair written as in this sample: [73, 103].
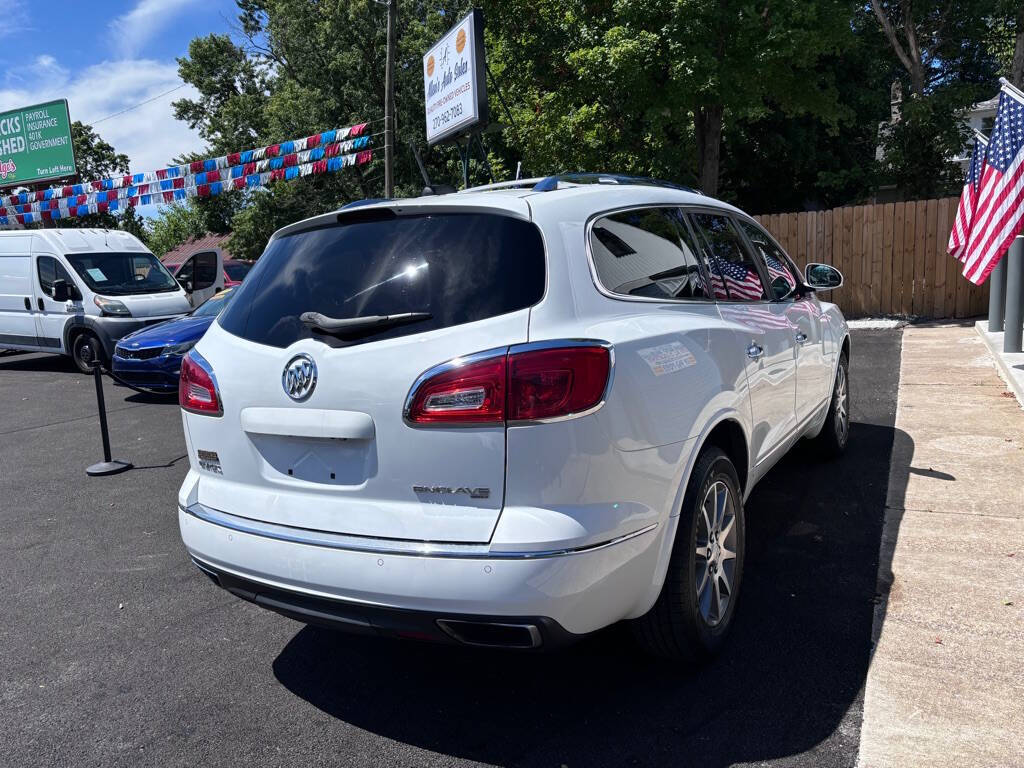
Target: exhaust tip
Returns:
[491, 634]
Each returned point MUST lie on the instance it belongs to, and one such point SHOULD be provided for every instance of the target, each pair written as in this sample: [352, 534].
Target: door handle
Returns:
[39, 303]
[754, 351]
[801, 337]
[28, 304]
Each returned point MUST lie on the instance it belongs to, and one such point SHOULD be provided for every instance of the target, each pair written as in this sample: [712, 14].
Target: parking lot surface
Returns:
[119, 652]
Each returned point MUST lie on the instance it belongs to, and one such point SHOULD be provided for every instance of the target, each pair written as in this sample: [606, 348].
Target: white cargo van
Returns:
[77, 291]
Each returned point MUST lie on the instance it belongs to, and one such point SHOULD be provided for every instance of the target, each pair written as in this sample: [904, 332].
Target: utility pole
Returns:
[389, 103]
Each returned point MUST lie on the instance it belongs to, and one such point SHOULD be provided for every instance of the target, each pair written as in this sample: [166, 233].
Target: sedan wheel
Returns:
[836, 431]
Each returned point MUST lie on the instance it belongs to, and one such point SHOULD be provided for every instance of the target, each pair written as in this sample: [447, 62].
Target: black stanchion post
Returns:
[108, 466]
[997, 296]
[1014, 321]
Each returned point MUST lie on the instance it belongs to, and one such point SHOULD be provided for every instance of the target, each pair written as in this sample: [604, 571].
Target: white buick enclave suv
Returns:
[508, 416]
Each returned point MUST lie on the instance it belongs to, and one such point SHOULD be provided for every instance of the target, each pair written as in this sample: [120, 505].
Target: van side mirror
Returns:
[822, 277]
[61, 291]
[187, 285]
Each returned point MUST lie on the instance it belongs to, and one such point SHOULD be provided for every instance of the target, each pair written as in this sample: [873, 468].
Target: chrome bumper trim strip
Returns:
[385, 546]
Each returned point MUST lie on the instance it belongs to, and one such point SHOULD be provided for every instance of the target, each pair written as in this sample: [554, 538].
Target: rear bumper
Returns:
[563, 594]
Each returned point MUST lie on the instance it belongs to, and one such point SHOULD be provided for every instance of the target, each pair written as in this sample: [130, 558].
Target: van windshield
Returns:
[450, 268]
[120, 274]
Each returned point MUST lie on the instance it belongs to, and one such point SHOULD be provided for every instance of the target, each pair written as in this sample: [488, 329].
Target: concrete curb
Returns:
[1006, 363]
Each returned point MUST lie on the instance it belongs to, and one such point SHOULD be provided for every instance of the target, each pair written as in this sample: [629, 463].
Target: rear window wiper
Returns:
[353, 326]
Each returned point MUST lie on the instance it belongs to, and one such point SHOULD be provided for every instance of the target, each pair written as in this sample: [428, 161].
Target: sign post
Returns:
[35, 144]
[455, 85]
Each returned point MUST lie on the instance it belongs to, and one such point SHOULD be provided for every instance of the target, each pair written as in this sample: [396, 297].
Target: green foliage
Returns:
[787, 94]
[175, 224]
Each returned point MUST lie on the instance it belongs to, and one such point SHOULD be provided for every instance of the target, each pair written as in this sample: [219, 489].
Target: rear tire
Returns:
[85, 348]
[835, 433]
[692, 616]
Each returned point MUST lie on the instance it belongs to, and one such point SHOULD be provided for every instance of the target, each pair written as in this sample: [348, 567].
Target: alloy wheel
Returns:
[715, 553]
[842, 406]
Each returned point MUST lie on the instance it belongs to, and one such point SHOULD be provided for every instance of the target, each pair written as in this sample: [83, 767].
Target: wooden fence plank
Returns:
[909, 234]
[942, 259]
[858, 260]
[826, 257]
[848, 292]
[920, 254]
[878, 212]
[897, 257]
[888, 215]
[819, 236]
[925, 306]
[953, 268]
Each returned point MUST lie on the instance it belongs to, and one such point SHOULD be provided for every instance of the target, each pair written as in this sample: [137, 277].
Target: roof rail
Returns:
[553, 182]
[517, 184]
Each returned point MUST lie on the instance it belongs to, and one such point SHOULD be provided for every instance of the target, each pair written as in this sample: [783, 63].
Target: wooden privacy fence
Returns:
[892, 255]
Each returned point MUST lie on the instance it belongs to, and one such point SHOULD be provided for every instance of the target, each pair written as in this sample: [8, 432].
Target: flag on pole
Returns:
[965, 211]
[999, 210]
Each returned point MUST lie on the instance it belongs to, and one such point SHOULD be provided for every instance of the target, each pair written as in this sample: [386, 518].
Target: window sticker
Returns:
[97, 274]
[668, 358]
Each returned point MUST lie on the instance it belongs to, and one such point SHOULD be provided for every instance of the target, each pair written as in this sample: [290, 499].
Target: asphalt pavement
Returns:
[118, 652]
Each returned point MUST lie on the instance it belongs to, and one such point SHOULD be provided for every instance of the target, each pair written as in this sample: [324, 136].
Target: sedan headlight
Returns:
[111, 306]
[179, 349]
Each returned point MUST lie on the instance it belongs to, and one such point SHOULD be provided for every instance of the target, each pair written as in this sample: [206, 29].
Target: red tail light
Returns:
[197, 387]
[550, 383]
[546, 382]
[461, 392]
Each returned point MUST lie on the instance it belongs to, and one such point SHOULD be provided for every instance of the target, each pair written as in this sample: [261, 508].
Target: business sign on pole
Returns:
[35, 144]
[454, 80]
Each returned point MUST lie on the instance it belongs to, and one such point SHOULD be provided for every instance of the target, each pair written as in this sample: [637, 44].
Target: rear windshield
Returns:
[457, 267]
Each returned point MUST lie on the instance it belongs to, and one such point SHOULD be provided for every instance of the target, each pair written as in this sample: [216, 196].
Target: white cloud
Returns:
[149, 135]
[14, 19]
[130, 32]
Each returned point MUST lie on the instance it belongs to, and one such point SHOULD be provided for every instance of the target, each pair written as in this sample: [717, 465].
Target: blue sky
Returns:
[104, 57]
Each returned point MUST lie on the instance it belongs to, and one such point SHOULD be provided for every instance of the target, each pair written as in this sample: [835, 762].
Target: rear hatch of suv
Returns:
[312, 433]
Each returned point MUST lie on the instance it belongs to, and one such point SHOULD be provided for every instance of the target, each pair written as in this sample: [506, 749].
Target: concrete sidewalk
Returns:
[945, 685]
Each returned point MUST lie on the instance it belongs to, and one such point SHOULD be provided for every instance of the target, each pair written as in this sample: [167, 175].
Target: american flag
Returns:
[777, 269]
[965, 211]
[742, 281]
[999, 210]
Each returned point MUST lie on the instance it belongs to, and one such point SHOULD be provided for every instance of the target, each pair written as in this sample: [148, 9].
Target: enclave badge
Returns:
[299, 377]
[473, 493]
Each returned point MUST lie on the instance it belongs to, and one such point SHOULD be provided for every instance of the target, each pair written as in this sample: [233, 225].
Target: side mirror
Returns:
[822, 277]
[187, 285]
[61, 291]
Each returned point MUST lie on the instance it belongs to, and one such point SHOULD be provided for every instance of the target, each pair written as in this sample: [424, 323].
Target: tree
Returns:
[175, 224]
[646, 86]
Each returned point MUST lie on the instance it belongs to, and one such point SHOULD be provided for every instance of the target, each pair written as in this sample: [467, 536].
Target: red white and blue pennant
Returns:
[325, 152]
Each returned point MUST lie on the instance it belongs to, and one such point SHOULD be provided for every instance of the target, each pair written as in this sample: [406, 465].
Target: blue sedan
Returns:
[151, 358]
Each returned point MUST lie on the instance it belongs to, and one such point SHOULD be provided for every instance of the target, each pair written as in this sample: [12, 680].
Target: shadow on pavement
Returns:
[789, 683]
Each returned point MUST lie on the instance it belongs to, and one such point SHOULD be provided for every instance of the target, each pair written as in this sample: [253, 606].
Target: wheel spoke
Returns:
[727, 527]
[704, 598]
[727, 554]
[718, 599]
[721, 497]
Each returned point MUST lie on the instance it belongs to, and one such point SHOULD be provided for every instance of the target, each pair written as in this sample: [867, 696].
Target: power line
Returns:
[141, 103]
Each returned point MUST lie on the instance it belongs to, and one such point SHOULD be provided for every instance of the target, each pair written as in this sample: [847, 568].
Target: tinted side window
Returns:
[734, 274]
[646, 252]
[47, 268]
[780, 275]
[459, 268]
[185, 272]
[205, 270]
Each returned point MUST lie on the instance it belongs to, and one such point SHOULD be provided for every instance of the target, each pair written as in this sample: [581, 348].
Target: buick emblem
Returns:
[299, 377]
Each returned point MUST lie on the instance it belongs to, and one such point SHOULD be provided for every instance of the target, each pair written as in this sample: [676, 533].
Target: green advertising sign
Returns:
[35, 144]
